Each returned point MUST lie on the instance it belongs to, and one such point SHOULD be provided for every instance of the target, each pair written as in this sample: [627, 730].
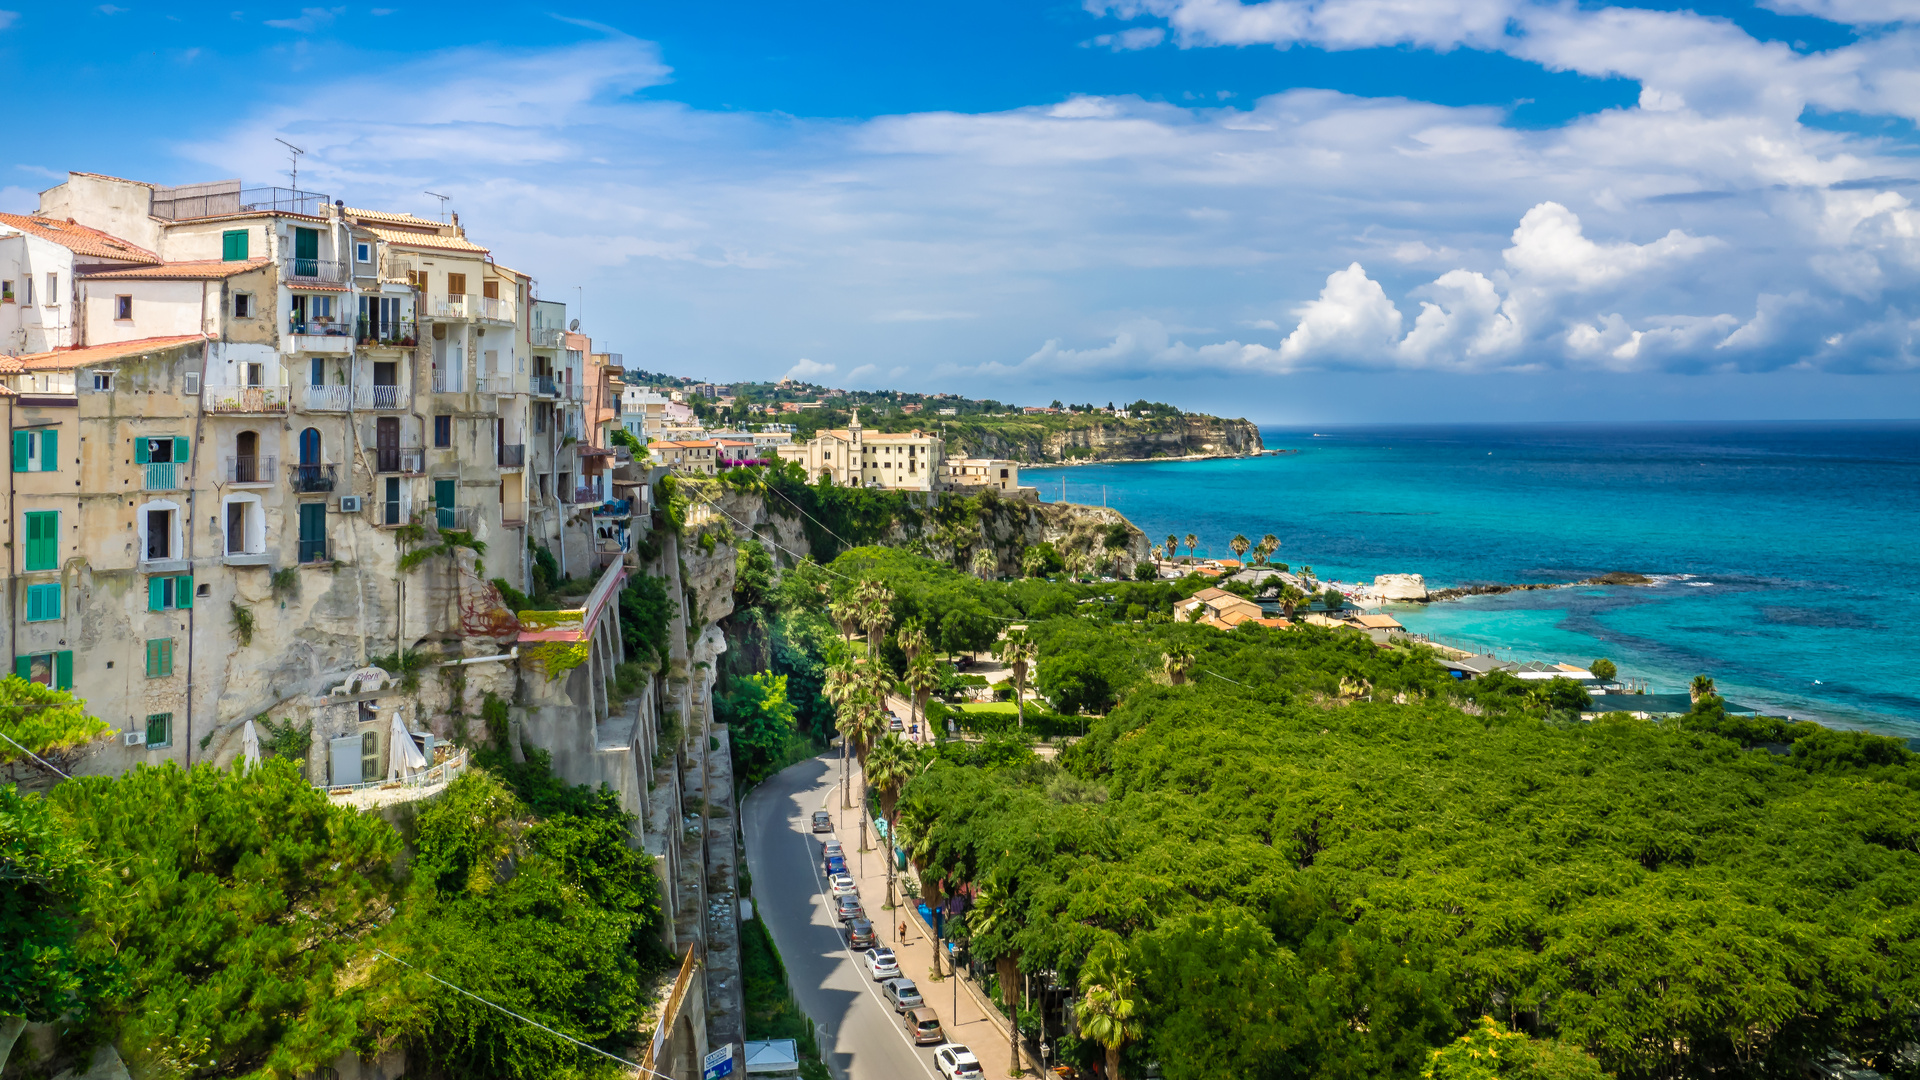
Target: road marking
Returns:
[865, 976]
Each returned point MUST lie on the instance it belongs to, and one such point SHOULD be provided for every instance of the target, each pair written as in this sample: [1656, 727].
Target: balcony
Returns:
[397, 511]
[457, 518]
[319, 336]
[311, 479]
[241, 400]
[248, 469]
[491, 309]
[400, 459]
[570, 390]
[614, 508]
[313, 551]
[543, 386]
[513, 455]
[496, 384]
[469, 306]
[320, 271]
[326, 398]
[394, 334]
[227, 197]
[582, 497]
[379, 398]
[547, 337]
[161, 476]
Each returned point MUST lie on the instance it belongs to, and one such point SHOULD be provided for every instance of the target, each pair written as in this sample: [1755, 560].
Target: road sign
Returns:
[720, 1063]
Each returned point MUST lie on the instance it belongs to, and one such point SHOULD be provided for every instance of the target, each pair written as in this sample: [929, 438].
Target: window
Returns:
[322, 307]
[123, 308]
[160, 725]
[233, 245]
[317, 370]
[53, 669]
[52, 299]
[490, 290]
[169, 592]
[369, 756]
[165, 449]
[313, 532]
[43, 540]
[103, 381]
[443, 430]
[159, 658]
[37, 450]
[363, 252]
[160, 534]
[417, 279]
[6, 292]
[456, 284]
[255, 374]
[243, 305]
[28, 282]
[43, 602]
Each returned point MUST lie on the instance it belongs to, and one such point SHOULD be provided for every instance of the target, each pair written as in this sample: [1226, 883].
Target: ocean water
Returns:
[1786, 552]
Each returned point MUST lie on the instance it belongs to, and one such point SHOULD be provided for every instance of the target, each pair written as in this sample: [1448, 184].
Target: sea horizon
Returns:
[1775, 544]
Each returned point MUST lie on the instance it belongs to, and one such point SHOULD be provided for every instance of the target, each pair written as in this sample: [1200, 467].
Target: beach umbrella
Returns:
[250, 744]
[402, 756]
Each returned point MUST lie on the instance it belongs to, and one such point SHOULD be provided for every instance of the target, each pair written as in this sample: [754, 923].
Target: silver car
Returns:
[903, 995]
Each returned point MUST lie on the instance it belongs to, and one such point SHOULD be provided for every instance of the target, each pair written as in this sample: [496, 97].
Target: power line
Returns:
[34, 756]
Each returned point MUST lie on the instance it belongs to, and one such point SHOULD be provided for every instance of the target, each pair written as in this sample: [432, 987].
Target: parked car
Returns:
[883, 964]
[842, 885]
[850, 908]
[894, 724]
[923, 1027]
[903, 995]
[956, 1062]
[859, 934]
[832, 847]
[822, 821]
[836, 865]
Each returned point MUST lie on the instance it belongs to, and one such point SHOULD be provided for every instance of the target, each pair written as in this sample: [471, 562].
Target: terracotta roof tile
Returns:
[358, 215]
[410, 238]
[68, 359]
[191, 270]
[79, 239]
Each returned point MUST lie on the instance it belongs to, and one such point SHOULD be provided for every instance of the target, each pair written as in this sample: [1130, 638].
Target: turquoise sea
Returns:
[1786, 552]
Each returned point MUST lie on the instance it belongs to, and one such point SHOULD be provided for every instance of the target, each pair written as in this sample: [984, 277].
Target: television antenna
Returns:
[293, 157]
[443, 203]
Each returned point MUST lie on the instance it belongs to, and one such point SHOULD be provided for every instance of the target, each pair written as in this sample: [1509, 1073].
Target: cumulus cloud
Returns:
[309, 19]
[808, 369]
[1140, 37]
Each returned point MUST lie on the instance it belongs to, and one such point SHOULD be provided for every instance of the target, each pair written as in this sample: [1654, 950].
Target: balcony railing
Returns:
[496, 384]
[312, 551]
[379, 397]
[543, 386]
[161, 476]
[457, 306]
[395, 333]
[326, 398]
[494, 309]
[570, 390]
[225, 198]
[249, 468]
[244, 399]
[547, 337]
[330, 271]
[397, 511]
[400, 459]
[309, 479]
[513, 455]
[453, 517]
[585, 495]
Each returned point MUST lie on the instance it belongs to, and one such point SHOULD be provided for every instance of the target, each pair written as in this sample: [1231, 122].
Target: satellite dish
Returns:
[574, 326]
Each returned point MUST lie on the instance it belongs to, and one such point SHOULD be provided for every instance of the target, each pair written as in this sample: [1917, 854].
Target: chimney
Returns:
[456, 223]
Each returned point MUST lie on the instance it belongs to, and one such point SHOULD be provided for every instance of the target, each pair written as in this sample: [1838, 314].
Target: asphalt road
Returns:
[790, 893]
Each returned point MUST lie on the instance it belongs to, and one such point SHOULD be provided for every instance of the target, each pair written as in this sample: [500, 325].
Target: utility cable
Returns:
[34, 756]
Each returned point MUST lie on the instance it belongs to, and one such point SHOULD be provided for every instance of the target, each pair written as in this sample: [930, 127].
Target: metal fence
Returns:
[225, 197]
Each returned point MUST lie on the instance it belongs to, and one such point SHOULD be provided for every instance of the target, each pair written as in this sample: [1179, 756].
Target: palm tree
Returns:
[913, 640]
[1032, 561]
[1109, 1008]
[1701, 686]
[923, 677]
[993, 917]
[985, 562]
[876, 612]
[1173, 546]
[1018, 652]
[891, 764]
[1178, 660]
[1159, 553]
[1306, 572]
[846, 615]
[1239, 544]
[839, 687]
[1290, 596]
[1271, 544]
[1193, 542]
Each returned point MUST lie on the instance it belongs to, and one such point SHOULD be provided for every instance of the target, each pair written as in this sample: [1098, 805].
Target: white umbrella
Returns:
[250, 744]
[402, 755]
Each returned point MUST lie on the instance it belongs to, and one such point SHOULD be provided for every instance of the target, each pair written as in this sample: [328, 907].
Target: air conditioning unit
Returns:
[135, 738]
[349, 504]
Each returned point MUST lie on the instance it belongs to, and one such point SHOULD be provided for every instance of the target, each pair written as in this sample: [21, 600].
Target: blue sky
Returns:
[1291, 210]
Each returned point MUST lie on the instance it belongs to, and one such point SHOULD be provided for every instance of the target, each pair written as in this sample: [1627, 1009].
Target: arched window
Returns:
[310, 446]
[246, 458]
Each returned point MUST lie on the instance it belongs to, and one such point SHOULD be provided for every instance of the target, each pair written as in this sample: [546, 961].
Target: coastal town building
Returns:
[689, 457]
[963, 474]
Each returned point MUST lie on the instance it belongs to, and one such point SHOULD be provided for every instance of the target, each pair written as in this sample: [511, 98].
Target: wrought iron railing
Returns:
[221, 200]
[379, 397]
[249, 468]
[244, 399]
[400, 459]
[319, 327]
[453, 517]
[398, 333]
[161, 476]
[326, 398]
[543, 385]
[312, 551]
[311, 479]
[331, 271]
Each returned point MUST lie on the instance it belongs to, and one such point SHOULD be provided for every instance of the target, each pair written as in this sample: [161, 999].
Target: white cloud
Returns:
[1851, 12]
[1140, 37]
[1352, 320]
[309, 19]
[808, 369]
[7, 18]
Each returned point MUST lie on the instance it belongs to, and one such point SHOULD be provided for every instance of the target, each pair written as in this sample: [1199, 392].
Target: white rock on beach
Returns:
[1400, 587]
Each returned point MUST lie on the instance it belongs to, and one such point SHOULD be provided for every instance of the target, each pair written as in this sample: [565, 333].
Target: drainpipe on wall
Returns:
[13, 576]
[193, 508]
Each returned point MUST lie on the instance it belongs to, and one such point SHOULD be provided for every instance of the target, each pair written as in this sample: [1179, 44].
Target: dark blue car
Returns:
[836, 865]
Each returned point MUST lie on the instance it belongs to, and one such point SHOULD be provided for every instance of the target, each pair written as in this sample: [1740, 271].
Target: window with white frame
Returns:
[52, 299]
[123, 308]
[103, 381]
[363, 252]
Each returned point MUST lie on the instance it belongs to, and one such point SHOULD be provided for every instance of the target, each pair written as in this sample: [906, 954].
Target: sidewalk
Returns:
[962, 1008]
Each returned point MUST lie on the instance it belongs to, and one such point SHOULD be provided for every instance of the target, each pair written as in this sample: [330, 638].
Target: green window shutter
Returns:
[179, 450]
[183, 591]
[156, 594]
[63, 669]
[23, 667]
[233, 245]
[20, 450]
[43, 540]
[153, 658]
[140, 455]
[43, 602]
[159, 729]
[50, 450]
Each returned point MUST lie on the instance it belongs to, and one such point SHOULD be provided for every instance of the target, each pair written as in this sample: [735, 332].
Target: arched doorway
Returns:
[246, 458]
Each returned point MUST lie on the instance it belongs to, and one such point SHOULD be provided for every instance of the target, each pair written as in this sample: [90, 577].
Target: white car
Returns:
[956, 1062]
[882, 964]
[842, 885]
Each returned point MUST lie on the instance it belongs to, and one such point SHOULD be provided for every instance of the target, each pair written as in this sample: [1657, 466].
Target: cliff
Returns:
[1051, 440]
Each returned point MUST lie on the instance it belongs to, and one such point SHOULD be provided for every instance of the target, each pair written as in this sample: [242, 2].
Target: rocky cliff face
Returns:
[1106, 439]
